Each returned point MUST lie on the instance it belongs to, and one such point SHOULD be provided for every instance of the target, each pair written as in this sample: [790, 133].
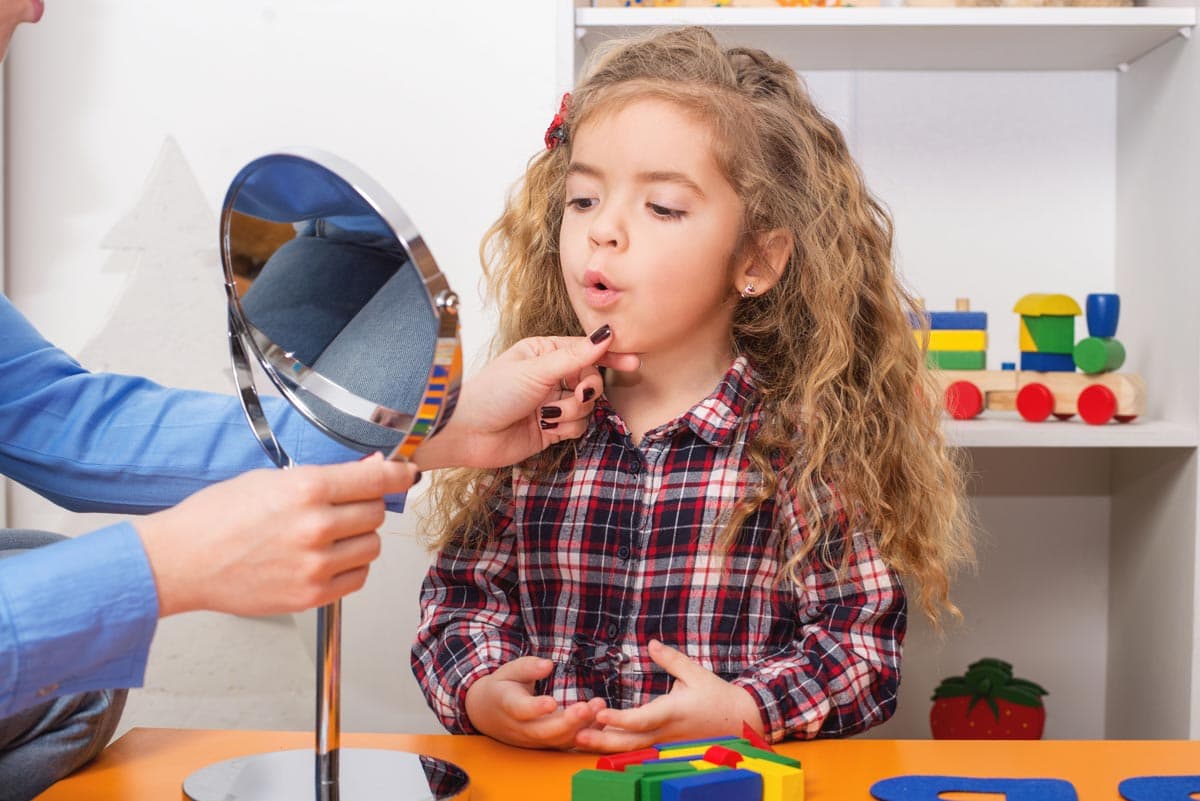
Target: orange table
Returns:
[151, 764]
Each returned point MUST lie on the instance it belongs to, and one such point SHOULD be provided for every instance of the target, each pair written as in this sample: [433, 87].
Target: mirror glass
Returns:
[334, 294]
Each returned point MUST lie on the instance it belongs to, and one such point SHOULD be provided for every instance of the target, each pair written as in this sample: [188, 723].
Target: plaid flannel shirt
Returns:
[620, 547]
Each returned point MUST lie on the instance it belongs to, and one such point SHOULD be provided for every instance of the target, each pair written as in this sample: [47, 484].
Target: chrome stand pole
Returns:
[329, 700]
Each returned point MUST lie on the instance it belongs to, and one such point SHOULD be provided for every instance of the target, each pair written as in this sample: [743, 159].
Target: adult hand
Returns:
[272, 541]
[502, 705]
[699, 705]
[538, 392]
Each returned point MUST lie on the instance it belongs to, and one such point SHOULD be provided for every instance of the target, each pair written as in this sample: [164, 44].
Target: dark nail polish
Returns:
[551, 412]
[588, 394]
[547, 426]
[417, 478]
[600, 334]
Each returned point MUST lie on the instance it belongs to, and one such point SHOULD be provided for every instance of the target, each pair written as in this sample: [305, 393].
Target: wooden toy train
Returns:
[1046, 382]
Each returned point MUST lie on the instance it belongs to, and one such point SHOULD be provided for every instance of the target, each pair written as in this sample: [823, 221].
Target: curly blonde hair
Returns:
[848, 400]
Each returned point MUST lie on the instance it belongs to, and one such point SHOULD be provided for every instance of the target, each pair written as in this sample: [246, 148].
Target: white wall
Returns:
[127, 120]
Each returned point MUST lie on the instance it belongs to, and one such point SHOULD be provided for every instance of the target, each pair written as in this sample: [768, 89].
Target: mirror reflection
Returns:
[335, 304]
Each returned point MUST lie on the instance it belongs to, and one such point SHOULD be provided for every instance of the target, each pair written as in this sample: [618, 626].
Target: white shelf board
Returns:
[990, 38]
[997, 430]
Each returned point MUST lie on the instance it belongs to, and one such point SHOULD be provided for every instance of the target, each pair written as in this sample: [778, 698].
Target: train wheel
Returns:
[1035, 402]
[1097, 404]
[963, 400]
[1066, 416]
[1124, 418]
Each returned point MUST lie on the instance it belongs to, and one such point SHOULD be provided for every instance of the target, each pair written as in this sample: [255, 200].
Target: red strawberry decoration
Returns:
[1011, 709]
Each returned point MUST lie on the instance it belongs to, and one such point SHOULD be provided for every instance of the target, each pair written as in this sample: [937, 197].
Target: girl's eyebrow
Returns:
[646, 177]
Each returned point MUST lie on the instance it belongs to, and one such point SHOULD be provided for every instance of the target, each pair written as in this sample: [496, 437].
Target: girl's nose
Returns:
[608, 228]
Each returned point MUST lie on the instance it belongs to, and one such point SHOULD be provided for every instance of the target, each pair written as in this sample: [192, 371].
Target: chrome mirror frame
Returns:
[291, 376]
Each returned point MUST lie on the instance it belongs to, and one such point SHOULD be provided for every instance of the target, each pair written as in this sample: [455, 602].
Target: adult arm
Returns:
[102, 442]
[75, 616]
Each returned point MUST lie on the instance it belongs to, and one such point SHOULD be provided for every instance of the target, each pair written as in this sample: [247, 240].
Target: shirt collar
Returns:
[714, 419]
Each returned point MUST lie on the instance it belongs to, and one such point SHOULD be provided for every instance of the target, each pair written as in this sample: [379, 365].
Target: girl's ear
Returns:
[764, 265]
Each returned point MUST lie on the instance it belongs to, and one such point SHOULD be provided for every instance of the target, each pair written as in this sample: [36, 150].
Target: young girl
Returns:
[723, 542]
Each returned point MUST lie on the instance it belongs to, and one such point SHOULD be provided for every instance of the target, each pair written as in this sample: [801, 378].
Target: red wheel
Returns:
[963, 400]
[1124, 418]
[1097, 404]
[1065, 416]
[1035, 402]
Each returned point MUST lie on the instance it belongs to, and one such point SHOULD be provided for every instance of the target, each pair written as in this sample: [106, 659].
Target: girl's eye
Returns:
[664, 212]
[581, 203]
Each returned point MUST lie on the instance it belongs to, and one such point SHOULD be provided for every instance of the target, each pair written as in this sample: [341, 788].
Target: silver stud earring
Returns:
[748, 291]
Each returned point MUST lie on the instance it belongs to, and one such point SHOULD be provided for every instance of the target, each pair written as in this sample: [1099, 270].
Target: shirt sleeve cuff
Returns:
[80, 614]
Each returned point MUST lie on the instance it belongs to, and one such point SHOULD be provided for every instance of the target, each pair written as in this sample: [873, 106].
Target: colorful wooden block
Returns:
[651, 784]
[957, 321]
[780, 782]
[760, 753]
[1048, 362]
[604, 785]
[954, 340]
[1099, 355]
[718, 785]
[956, 359]
[720, 755]
[1050, 334]
[619, 761]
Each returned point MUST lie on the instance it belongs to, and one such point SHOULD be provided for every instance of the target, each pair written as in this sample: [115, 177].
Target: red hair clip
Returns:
[556, 134]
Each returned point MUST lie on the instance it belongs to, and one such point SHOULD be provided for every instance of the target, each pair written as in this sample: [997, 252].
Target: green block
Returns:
[761, 753]
[956, 359]
[653, 768]
[1099, 355]
[1052, 333]
[605, 785]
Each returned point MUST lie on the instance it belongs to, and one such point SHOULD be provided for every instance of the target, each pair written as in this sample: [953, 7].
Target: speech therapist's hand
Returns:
[538, 392]
[272, 541]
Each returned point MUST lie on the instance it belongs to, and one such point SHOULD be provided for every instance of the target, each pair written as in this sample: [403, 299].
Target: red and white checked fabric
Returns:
[620, 547]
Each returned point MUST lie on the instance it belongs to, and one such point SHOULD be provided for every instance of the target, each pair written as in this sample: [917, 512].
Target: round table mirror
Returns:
[334, 296]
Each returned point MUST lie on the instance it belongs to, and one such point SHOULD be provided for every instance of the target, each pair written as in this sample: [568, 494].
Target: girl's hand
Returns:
[538, 392]
[700, 704]
[502, 705]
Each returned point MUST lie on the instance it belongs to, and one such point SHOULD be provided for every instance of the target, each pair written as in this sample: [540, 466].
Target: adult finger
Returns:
[340, 586]
[329, 524]
[367, 479]
[354, 552]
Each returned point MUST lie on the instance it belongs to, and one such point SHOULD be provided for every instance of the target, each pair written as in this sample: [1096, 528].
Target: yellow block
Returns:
[956, 340]
[1027, 344]
[687, 750]
[780, 782]
[703, 764]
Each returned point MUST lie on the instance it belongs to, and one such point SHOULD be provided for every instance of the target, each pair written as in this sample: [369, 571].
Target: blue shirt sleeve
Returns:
[101, 442]
[77, 615]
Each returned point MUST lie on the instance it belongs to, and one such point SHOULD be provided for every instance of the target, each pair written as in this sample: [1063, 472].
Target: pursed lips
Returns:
[598, 291]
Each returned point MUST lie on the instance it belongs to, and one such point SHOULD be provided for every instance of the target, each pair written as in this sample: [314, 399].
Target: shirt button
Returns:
[623, 552]
[613, 629]
[635, 465]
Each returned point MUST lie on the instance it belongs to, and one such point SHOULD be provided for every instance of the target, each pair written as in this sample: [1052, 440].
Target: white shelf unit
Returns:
[1123, 499]
[924, 38]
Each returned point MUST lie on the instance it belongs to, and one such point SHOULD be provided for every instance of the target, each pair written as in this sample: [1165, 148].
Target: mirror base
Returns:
[366, 774]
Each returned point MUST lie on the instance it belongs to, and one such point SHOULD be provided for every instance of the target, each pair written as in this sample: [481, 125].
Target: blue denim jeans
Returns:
[42, 744]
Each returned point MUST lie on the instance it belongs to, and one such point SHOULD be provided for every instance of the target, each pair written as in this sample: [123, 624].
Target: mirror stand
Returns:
[324, 273]
[329, 772]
